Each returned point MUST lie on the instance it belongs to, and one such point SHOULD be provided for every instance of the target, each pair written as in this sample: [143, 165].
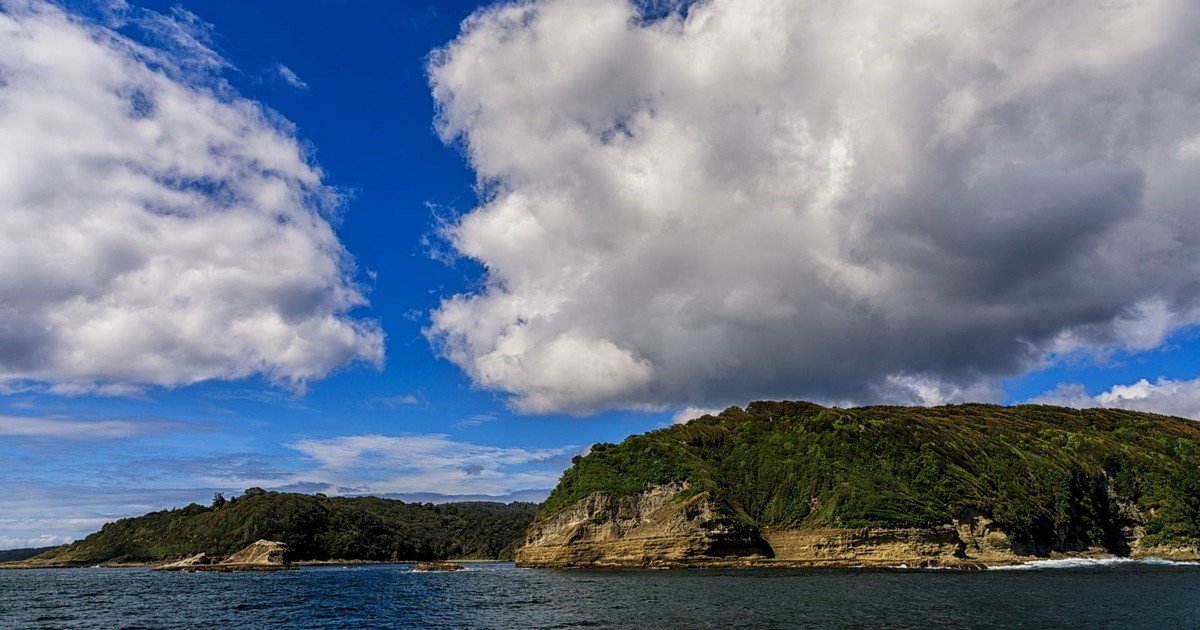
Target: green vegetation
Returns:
[313, 527]
[1055, 478]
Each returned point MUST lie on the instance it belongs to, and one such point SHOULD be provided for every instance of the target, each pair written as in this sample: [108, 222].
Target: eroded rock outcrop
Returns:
[650, 529]
[262, 552]
[664, 527]
[262, 555]
[962, 545]
[198, 560]
[438, 567]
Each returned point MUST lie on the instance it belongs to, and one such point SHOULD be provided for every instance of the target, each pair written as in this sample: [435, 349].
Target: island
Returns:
[798, 484]
[262, 530]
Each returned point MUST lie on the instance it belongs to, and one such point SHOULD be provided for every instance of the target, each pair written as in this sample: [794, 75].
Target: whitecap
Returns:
[1082, 563]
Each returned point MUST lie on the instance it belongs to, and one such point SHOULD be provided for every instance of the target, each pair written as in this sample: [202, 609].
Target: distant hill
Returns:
[314, 527]
[13, 555]
[1000, 482]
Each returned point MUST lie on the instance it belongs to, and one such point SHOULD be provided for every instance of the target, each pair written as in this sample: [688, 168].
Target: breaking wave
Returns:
[1082, 563]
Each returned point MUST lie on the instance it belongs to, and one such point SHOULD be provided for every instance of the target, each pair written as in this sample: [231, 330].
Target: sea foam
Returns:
[1081, 563]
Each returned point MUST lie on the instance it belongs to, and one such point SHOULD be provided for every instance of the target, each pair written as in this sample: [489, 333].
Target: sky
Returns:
[433, 250]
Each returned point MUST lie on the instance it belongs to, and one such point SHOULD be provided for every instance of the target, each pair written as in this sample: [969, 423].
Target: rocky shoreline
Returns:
[655, 530]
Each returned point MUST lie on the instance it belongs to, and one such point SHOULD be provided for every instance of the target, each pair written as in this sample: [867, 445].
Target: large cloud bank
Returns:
[839, 200]
[156, 228]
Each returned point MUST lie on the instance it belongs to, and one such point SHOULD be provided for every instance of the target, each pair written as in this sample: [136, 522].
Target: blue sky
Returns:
[552, 225]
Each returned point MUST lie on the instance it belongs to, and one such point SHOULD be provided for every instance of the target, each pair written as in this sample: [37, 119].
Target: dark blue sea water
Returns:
[1114, 594]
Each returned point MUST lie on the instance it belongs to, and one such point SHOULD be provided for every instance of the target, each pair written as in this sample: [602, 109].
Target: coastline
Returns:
[73, 564]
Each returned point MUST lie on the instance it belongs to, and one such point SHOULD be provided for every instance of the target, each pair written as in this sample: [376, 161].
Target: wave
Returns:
[1083, 563]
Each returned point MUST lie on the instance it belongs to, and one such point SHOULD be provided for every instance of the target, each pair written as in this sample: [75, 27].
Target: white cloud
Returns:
[106, 429]
[290, 77]
[850, 201]
[34, 542]
[474, 420]
[691, 413]
[379, 464]
[1165, 396]
[398, 400]
[158, 229]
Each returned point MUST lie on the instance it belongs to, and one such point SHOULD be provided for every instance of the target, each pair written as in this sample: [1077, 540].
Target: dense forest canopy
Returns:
[314, 527]
[1054, 477]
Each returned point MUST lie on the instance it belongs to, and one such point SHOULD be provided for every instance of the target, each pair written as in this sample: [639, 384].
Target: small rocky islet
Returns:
[438, 566]
[262, 555]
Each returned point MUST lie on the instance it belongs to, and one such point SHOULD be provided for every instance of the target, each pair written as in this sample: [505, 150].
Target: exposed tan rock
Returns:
[659, 528]
[647, 530]
[1182, 553]
[439, 566]
[263, 555]
[262, 552]
[200, 559]
[964, 545]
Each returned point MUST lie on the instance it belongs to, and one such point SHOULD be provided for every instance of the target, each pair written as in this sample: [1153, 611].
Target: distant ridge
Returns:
[536, 495]
[13, 555]
[313, 527]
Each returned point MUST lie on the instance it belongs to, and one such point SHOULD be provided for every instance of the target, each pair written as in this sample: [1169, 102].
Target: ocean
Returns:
[1058, 594]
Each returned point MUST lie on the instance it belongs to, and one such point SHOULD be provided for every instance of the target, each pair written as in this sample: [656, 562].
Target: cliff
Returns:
[651, 528]
[799, 484]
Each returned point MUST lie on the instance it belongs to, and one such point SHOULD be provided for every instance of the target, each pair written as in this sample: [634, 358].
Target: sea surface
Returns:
[1071, 594]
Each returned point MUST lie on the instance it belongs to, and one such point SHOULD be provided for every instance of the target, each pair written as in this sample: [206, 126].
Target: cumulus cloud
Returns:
[1165, 396]
[379, 464]
[850, 201]
[157, 228]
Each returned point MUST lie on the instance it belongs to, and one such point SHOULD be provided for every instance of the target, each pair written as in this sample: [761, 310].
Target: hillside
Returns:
[14, 555]
[961, 481]
[314, 527]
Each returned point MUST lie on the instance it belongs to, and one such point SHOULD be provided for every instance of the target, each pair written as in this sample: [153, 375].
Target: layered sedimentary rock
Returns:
[262, 555]
[191, 562]
[964, 545]
[658, 529]
[438, 567]
[645, 530]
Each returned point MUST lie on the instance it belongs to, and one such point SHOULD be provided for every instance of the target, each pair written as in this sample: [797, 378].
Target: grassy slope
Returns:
[314, 527]
[1043, 473]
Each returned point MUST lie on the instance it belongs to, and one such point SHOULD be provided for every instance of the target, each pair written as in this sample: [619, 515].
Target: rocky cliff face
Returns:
[650, 529]
[965, 545]
[655, 529]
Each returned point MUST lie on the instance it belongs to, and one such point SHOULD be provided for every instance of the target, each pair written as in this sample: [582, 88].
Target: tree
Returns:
[218, 500]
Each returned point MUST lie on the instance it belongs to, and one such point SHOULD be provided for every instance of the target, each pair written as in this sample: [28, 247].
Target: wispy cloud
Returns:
[429, 463]
[474, 420]
[290, 77]
[13, 542]
[69, 429]
[399, 400]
